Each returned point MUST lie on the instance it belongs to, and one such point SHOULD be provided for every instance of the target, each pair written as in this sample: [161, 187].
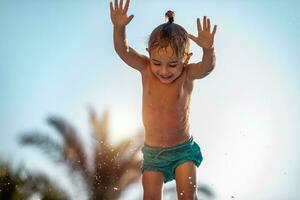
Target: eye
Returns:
[157, 64]
[173, 65]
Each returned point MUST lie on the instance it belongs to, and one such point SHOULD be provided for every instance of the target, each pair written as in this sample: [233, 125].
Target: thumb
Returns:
[129, 19]
[194, 38]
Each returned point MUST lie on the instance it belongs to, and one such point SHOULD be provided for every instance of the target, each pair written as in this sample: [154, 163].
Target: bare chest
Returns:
[159, 97]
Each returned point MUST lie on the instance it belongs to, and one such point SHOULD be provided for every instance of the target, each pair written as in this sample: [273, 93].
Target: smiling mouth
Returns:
[165, 77]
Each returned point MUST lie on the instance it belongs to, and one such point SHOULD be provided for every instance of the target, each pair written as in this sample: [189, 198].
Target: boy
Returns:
[169, 150]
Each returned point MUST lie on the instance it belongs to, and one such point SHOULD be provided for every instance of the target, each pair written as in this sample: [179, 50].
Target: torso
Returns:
[166, 109]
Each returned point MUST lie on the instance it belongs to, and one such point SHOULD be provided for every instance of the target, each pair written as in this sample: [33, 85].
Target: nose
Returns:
[164, 70]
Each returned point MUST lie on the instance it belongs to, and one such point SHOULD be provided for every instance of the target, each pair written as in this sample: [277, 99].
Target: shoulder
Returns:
[144, 69]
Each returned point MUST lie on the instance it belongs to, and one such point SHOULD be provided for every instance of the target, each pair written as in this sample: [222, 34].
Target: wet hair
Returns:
[169, 33]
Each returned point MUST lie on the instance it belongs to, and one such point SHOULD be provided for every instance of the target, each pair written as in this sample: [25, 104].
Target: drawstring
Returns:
[173, 148]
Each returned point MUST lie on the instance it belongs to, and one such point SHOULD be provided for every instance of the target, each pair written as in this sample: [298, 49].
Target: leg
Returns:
[186, 181]
[152, 185]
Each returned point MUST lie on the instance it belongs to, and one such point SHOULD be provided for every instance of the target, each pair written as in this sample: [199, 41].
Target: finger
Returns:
[116, 4]
[121, 4]
[126, 6]
[214, 30]
[208, 25]
[111, 7]
[204, 23]
[129, 19]
[194, 38]
[199, 26]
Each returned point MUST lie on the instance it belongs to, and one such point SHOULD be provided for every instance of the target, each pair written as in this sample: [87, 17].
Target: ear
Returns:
[187, 58]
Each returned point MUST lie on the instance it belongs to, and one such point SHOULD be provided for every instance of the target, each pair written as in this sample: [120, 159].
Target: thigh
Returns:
[152, 184]
[186, 180]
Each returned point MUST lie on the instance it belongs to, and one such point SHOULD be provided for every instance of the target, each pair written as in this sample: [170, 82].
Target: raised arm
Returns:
[205, 39]
[120, 19]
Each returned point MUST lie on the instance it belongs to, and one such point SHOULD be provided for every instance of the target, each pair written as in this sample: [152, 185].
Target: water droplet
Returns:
[181, 193]
[115, 188]
[194, 186]
[190, 177]
[191, 182]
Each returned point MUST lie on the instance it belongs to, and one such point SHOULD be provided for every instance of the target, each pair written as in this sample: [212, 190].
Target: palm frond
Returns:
[40, 184]
[73, 145]
[100, 126]
[9, 184]
[116, 166]
[44, 143]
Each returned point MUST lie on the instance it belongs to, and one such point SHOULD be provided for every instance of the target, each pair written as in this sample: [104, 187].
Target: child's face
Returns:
[165, 64]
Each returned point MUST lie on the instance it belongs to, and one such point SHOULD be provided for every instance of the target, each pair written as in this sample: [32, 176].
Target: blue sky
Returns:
[57, 57]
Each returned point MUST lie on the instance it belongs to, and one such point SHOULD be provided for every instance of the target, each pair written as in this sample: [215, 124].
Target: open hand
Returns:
[204, 39]
[118, 14]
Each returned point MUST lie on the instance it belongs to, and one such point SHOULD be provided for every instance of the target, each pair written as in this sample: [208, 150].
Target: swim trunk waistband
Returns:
[190, 140]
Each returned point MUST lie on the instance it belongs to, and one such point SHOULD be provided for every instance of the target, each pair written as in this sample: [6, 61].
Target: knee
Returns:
[192, 195]
[152, 195]
[152, 185]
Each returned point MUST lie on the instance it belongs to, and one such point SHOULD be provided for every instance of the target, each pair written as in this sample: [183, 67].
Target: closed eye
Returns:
[173, 64]
[157, 64]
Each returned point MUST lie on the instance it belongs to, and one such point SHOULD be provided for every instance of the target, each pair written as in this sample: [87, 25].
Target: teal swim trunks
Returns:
[166, 159]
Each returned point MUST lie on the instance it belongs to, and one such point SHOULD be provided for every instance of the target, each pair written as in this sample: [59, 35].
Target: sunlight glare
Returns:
[123, 123]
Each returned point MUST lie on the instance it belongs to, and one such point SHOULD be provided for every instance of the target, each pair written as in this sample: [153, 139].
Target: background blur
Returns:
[57, 58]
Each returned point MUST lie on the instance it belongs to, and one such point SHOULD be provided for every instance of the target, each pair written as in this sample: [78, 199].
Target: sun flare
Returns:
[124, 123]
